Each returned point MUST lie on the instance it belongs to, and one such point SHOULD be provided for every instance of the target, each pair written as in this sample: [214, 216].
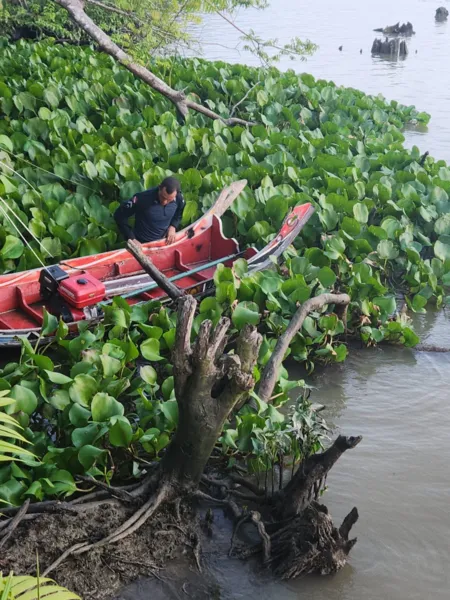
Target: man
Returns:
[157, 211]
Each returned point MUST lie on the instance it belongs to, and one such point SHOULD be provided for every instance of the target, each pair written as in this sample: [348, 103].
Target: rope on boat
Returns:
[48, 172]
[19, 175]
[25, 227]
[19, 232]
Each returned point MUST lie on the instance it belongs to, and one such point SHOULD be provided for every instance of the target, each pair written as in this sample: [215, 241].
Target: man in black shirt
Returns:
[157, 211]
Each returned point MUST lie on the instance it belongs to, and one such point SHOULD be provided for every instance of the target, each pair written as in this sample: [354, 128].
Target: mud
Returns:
[101, 573]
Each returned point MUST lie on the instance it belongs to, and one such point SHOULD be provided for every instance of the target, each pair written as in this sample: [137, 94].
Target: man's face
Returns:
[165, 197]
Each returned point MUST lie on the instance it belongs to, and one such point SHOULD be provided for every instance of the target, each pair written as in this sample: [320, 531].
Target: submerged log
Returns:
[393, 48]
[397, 29]
[441, 14]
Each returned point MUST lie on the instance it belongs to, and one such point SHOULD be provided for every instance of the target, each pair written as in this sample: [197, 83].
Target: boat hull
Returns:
[192, 259]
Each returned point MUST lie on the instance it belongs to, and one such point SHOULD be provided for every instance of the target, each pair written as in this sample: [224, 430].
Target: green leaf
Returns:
[121, 433]
[329, 218]
[387, 304]
[12, 248]
[442, 225]
[83, 436]
[442, 250]
[335, 247]
[386, 250]
[170, 411]
[151, 331]
[25, 400]
[326, 277]
[418, 304]
[150, 350]
[67, 214]
[361, 212]
[341, 353]
[6, 142]
[351, 226]
[391, 226]
[58, 378]
[90, 455]
[245, 313]
[148, 374]
[60, 399]
[43, 362]
[83, 389]
[78, 416]
[104, 407]
[110, 365]
[9, 185]
[50, 323]
[167, 387]
[411, 338]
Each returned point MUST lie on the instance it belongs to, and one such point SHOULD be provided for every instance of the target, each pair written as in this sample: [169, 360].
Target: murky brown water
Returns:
[399, 476]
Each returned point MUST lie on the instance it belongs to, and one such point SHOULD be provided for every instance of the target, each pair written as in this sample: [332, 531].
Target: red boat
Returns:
[75, 289]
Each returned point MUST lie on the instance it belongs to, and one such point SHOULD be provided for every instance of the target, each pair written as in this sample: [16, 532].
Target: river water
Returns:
[399, 476]
[422, 79]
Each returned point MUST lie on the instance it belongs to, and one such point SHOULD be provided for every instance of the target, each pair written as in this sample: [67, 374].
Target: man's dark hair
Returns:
[171, 185]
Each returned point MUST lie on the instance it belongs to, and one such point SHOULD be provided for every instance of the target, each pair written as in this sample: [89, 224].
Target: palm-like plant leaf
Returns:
[33, 588]
[9, 427]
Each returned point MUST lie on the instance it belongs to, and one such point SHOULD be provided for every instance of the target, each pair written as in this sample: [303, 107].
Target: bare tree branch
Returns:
[113, 9]
[269, 376]
[76, 10]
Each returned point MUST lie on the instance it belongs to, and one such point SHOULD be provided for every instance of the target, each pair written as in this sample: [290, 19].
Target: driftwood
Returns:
[173, 291]
[270, 374]
[393, 48]
[431, 348]
[397, 29]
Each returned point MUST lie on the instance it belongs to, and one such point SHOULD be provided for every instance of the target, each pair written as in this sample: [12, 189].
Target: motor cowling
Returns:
[72, 297]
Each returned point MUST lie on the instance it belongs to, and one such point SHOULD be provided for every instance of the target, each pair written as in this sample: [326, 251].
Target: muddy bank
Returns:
[99, 574]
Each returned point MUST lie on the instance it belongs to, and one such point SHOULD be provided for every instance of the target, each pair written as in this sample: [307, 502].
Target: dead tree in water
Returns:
[441, 14]
[297, 533]
[393, 48]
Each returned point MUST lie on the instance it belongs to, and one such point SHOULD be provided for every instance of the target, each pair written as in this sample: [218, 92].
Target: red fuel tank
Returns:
[82, 290]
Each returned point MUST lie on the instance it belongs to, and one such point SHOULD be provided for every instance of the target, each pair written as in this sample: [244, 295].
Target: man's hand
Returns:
[170, 237]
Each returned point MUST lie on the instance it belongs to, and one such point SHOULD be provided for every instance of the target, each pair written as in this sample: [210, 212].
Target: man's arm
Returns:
[176, 219]
[122, 214]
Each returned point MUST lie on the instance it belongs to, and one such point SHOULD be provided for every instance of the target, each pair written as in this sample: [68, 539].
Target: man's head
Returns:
[168, 190]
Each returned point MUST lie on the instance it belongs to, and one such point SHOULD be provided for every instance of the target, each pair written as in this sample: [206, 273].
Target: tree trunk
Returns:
[76, 10]
[297, 494]
[208, 384]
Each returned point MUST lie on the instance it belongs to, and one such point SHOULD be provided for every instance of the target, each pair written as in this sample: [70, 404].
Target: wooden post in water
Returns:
[172, 290]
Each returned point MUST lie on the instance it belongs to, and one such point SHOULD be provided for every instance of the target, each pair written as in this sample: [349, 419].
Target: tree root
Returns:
[127, 528]
[14, 523]
[311, 544]
[255, 518]
[115, 492]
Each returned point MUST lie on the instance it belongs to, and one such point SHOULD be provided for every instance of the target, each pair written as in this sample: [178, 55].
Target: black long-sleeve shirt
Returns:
[151, 218]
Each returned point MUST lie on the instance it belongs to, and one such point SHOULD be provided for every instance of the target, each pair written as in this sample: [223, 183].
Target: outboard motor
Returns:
[72, 297]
